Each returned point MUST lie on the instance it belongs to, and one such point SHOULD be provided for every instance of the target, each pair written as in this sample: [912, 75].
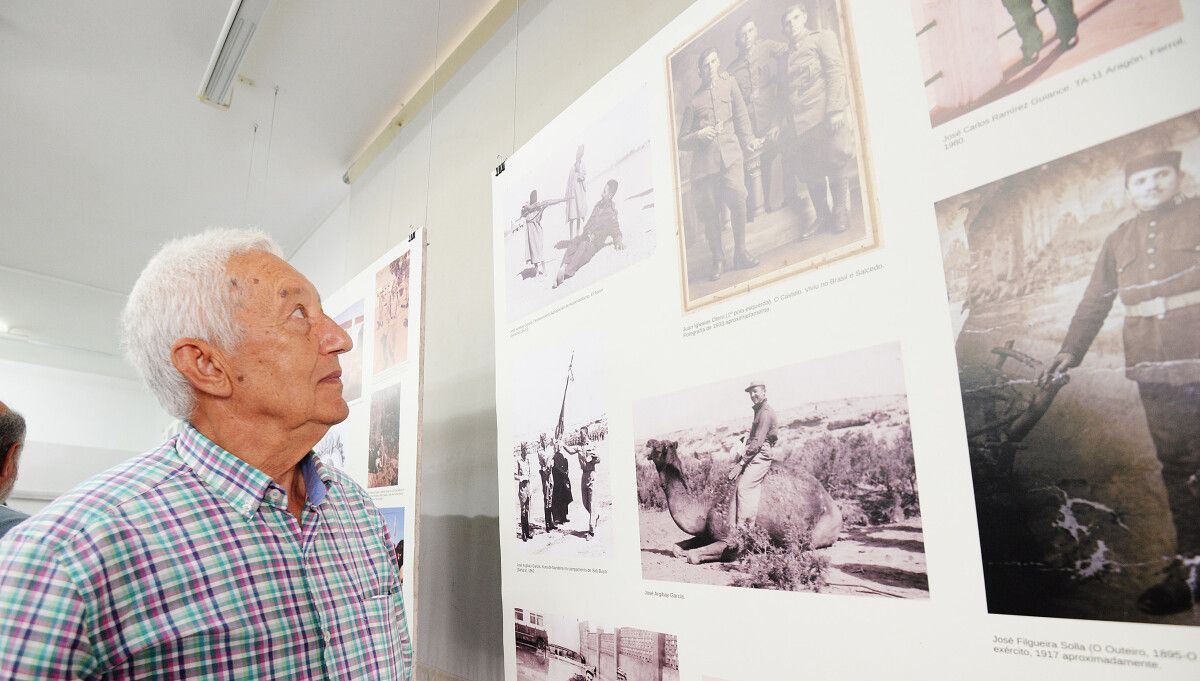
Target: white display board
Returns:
[379, 444]
[909, 263]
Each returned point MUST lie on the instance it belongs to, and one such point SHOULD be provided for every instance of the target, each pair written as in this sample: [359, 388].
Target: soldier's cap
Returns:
[1158, 159]
[755, 384]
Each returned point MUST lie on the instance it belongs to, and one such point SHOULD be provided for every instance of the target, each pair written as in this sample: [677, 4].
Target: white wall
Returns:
[545, 56]
[78, 424]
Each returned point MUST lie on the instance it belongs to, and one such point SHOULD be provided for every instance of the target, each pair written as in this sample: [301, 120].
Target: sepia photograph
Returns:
[1074, 290]
[393, 516]
[554, 648]
[974, 53]
[560, 451]
[351, 320]
[383, 449]
[770, 161]
[582, 213]
[798, 478]
[391, 315]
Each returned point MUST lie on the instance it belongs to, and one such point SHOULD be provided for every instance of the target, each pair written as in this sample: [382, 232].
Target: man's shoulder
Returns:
[95, 505]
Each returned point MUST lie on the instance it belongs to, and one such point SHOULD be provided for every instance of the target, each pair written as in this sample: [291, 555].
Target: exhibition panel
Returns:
[379, 444]
[739, 435]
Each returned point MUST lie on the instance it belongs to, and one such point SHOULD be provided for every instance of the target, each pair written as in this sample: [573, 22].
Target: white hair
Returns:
[185, 292]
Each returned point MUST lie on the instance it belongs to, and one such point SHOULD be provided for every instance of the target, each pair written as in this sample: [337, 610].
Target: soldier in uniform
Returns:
[523, 492]
[756, 462]
[586, 453]
[715, 128]
[1066, 25]
[546, 471]
[815, 125]
[1152, 263]
[756, 71]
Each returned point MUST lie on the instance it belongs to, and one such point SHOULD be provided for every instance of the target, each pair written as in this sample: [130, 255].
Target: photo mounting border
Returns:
[866, 171]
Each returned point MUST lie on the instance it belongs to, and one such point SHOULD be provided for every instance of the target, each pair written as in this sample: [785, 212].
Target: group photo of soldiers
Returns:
[560, 451]
[582, 212]
[975, 53]
[768, 146]
[1075, 290]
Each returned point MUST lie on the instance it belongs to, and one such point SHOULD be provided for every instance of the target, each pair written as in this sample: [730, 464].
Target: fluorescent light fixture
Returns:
[240, 25]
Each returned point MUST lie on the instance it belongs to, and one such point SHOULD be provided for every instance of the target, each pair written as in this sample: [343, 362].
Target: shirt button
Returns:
[1153, 223]
[274, 496]
[1151, 235]
[1150, 250]
[1151, 266]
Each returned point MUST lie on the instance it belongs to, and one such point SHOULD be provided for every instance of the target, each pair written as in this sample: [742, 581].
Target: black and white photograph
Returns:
[796, 478]
[770, 160]
[383, 448]
[333, 449]
[391, 314]
[1074, 289]
[352, 321]
[560, 451]
[975, 53]
[579, 215]
[556, 648]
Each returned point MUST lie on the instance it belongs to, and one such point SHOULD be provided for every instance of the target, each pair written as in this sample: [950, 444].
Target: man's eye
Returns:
[299, 313]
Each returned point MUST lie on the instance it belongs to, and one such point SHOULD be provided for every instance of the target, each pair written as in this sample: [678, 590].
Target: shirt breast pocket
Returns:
[1186, 242]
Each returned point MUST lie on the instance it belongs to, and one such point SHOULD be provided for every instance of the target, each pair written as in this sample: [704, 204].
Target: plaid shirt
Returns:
[185, 563]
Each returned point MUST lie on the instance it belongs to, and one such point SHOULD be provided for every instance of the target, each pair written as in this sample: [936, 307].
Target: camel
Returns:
[793, 501]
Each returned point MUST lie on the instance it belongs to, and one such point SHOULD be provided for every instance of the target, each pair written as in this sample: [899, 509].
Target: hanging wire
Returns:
[437, 28]
[516, 71]
[267, 167]
[249, 173]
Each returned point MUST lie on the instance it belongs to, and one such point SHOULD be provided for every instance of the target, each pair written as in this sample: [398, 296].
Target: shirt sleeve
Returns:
[405, 643]
[1095, 305]
[834, 67]
[43, 619]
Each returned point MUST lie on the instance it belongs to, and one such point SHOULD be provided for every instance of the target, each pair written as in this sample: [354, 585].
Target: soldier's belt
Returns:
[1156, 307]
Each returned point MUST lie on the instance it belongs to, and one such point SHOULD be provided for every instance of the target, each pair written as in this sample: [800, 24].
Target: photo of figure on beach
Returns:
[1074, 290]
[974, 53]
[797, 478]
[351, 320]
[581, 214]
[383, 449]
[391, 315]
[769, 147]
[555, 648]
[560, 451]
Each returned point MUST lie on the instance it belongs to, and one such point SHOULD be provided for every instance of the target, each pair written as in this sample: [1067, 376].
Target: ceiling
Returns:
[106, 151]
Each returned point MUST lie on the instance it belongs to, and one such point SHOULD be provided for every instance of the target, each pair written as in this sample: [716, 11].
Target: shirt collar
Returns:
[241, 485]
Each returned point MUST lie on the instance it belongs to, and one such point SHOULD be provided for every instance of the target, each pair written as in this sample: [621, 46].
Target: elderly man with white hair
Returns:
[230, 551]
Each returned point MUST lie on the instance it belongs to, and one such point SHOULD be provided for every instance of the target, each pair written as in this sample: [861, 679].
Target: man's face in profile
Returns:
[287, 364]
[1152, 187]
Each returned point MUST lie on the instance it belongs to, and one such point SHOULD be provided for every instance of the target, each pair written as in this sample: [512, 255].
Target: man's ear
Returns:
[203, 366]
[9, 470]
